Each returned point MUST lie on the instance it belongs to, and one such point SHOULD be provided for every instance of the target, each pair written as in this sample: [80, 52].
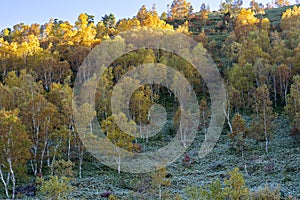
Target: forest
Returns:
[255, 48]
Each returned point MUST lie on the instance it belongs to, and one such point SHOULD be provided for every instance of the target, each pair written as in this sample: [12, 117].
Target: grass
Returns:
[278, 168]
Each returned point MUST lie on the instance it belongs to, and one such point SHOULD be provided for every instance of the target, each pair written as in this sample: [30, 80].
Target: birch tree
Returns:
[14, 150]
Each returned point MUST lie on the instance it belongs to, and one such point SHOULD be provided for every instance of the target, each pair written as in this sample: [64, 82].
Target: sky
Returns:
[37, 11]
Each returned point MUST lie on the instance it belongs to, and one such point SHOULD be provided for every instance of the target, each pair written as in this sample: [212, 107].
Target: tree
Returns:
[235, 187]
[232, 104]
[284, 74]
[14, 150]
[262, 120]
[61, 97]
[254, 5]
[179, 118]
[296, 61]
[163, 16]
[245, 22]
[281, 3]
[142, 14]
[76, 57]
[109, 21]
[243, 79]
[204, 115]
[103, 95]
[289, 25]
[227, 110]
[86, 115]
[158, 181]
[49, 71]
[232, 7]
[128, 24]
[41, 120]
[86, 32]
[63, 168]
[140, 105]
[120, 139]
[239, 133]
[5, 97]
[180, 9]
[55, 188]
[293, 106]
[155, 185]
[211, 191]
[150, 18]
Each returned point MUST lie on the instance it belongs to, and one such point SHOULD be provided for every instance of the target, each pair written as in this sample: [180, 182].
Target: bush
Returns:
[63, 168]
[234, 189]
[235, 186]
[211, 191]
[54, 188]
[265, 194]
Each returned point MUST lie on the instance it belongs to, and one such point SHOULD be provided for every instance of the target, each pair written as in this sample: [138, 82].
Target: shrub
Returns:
[265, 194]
[234, 189]
[210, 191]
[235, 186]
[55, 187]
[63, 168]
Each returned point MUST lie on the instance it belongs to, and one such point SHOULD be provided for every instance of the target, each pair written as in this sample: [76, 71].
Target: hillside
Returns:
[133, 92]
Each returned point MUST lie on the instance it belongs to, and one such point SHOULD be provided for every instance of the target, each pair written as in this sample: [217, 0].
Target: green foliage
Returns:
[242, 80]
[212, 191]
[109, 20]
[239, 133]
[259, 56]
[55, 187]
[14, 150]
[235, 187]
[159, 184]
[293, 104]
[63, 168]
[262, 123]
[112, 197]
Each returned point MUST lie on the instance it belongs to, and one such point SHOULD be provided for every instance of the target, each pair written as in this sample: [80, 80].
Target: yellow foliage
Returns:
[184, 28]
[291, 12]
[128, 24]
[6, 32]
[246, 17]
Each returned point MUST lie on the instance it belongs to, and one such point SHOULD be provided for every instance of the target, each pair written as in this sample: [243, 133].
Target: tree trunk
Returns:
[91, 127]
[12, 178]
[53, 159]
[42, 157]
[265, 128]
[4, 183]
[119, 164]
[182, 135]
[275, 92]
[48, 157]
[285, 93]
[69, 146]
[160, 192]
[80, 156]
[245, 165]
[226, 109]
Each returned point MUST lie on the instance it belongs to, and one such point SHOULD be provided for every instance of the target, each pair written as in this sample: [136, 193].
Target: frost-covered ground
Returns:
[279, 168]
